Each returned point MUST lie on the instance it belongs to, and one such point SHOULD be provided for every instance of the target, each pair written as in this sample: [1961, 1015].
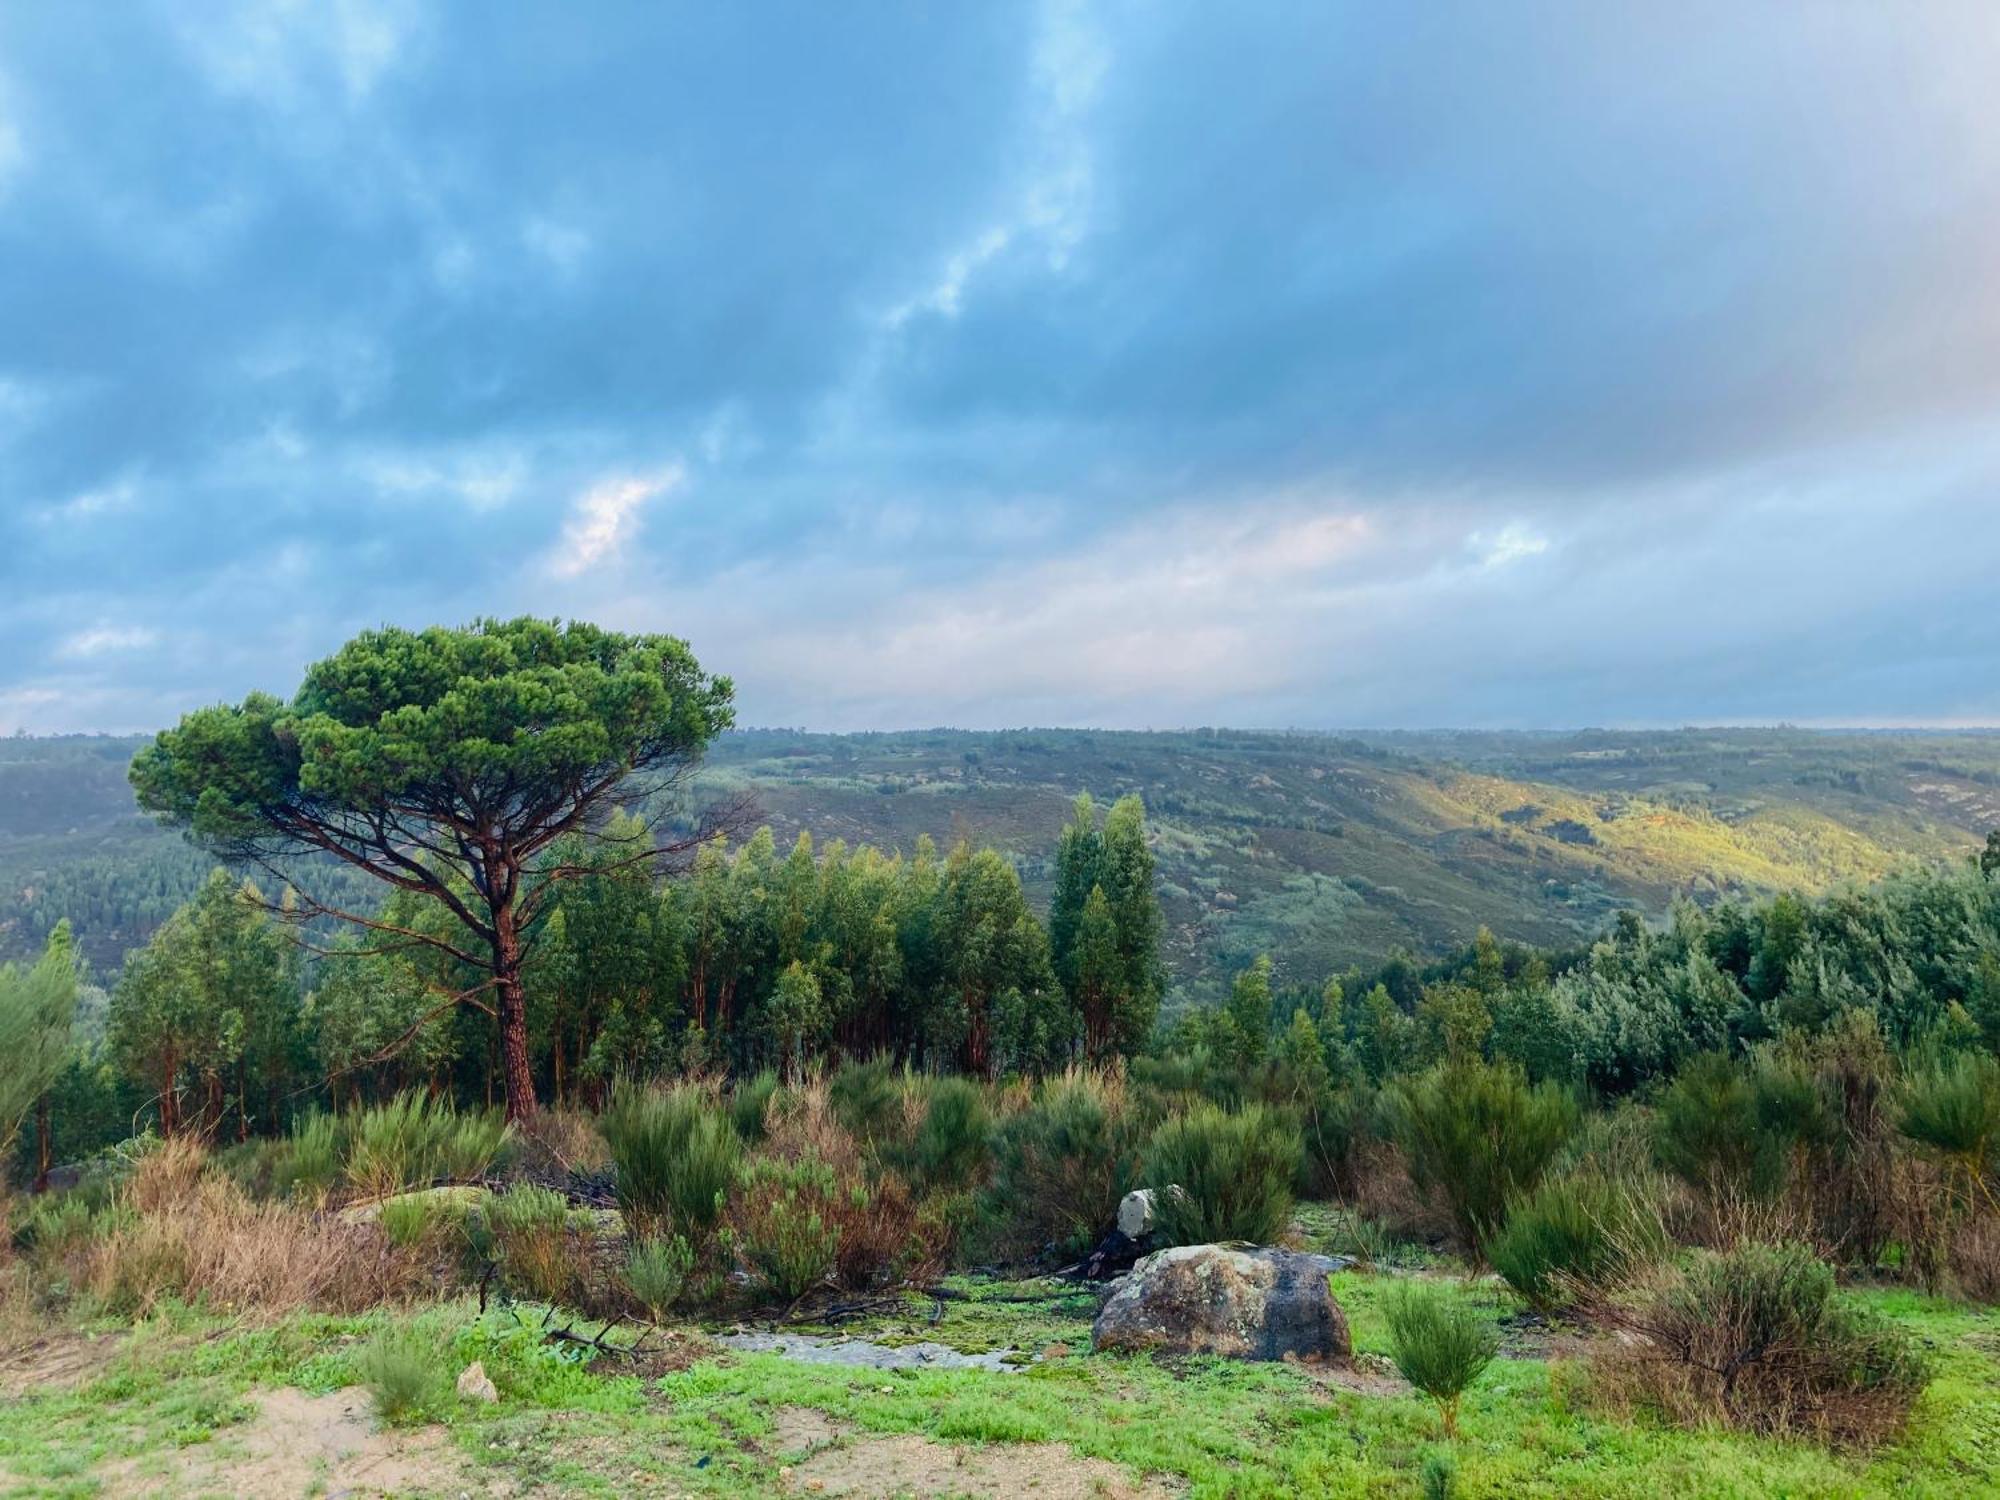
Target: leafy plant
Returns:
[786, 1224]
[1061, 1165]
[1569, 1233]
[656, 1271]
[1223, 1176]
[1953, 1110]
[676, 1156]
[953, 1144]
[1440, 1344]
[1478, 1136]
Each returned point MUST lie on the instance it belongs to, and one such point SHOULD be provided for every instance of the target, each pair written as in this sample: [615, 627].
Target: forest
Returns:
[566, 1035]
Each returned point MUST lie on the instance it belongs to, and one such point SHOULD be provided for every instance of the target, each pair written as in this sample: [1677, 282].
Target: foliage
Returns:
[954, 1142]
[1478, 1135]
[36, 1006]
[1105, 927]
[413, 1140]
[656, 1271]
[1953, 1110]
[785, 1221]
[1758, 1337]
[1223, 1176]
[1061, 1166]
[404, 1370]
[676, 1156]
[1441, 1345]
[1572, 1233]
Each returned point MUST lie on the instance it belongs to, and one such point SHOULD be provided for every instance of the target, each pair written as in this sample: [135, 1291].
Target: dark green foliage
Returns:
[676, 1156]
[656, 1272]
[1061, 1165]
[1223, 1176]
[1441, 1345]
[1570, 1234]
[786, 1224]
[954, 1143]
[867, 1098]
[750, 1104]
[1478, 1135]
[1953, 1110]
[1707, 1129]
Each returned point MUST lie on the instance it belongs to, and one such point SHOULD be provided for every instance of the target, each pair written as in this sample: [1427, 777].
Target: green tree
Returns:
[449, 764]
[194, 1006]
[1250, 1009]
[37, 1004]
[795, 1016]
[1104, 926]
[995, 984]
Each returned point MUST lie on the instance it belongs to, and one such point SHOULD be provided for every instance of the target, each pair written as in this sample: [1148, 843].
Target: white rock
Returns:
[1135, 1213]
[474, 1385]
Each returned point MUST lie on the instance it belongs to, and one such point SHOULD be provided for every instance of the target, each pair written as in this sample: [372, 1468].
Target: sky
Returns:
[1127, 364]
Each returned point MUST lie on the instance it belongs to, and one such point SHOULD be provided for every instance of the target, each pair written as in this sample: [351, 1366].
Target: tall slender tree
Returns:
[449, 763]
[1104, 926]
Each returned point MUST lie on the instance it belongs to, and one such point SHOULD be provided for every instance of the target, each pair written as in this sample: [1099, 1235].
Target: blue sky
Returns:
[1123, 364]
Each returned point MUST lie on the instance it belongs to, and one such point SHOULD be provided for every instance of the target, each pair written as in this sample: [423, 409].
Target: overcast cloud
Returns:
[1122, 364]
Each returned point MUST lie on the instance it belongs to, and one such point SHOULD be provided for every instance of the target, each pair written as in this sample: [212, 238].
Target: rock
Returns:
[1241, 1303]
[1135, 1213]
[474, 1385]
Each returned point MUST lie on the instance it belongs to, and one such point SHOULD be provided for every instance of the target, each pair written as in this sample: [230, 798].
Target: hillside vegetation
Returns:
[1324, 851]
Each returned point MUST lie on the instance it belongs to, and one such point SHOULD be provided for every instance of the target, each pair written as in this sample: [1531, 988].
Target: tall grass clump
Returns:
[750, 1104]
[1223, 1176]
[1477, 1135]
[404, 1371]
[1571, 1233]
[1758, 1337]
[414, 1141]
[867, 1099]
[311, 1169]
[1061, 1165]
[1441, 1345]
[676, 1155]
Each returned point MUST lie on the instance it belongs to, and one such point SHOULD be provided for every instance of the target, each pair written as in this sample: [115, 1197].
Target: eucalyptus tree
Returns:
[449, 764]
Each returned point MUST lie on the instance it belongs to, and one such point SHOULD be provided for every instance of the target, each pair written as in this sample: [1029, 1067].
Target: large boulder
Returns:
[1214, 1299]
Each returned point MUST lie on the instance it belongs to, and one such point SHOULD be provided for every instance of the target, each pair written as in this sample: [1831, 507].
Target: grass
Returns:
[184, 1378]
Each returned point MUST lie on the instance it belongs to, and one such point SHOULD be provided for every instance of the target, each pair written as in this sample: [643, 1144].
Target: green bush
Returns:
[676, 1156]
[312, 1168]
[1223, 1176]
[750, 1105]
[867, 1099]
[413, 1140]
[409, 1220]
[786, 1223]
[1441, 1344]
[1061, 1165]
[525, 1208]
[1953, 1110]
[1707, 1131]
[1760, 1338]
[404, 1370]
[1477, 1136]
[954, 1143]
[1439, 1474]
[1572, 1232]
[656, 1271]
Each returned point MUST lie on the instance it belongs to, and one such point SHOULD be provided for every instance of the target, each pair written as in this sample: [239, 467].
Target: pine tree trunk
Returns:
[514, 1064]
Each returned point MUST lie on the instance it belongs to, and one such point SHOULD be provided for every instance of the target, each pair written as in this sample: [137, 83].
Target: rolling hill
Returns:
[1323, 850]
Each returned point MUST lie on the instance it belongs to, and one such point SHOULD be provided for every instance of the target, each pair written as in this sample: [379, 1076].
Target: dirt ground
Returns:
[305, 1445]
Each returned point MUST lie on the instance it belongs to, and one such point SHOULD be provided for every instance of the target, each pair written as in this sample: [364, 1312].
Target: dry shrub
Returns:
[872, 1216]
[1757, 1338]
[167, 1174]
[1385, 1195]
[200, 1238]
[1975, 1259]
[561, 1142]
[1062, 1163]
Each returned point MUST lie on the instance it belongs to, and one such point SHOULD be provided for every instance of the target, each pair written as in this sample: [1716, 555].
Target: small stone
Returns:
[474, 1385]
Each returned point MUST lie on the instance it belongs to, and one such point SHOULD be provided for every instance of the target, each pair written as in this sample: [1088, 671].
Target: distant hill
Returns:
[1322, 850]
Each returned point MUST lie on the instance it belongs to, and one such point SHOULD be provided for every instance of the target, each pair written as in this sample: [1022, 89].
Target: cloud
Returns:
[602, 517]
[99, 640]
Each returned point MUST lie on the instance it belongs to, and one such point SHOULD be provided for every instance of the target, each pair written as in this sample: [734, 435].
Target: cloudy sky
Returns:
[1127, 364]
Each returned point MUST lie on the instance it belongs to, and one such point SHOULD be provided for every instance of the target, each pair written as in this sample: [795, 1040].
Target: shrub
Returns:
[676, 1157]
[1758, 1337]
[1476, 1136]
[413, 1140]
[1570, 1233]
[1223, 1176]
[785, 1222]
[656, 1271]
[404, 1371]
[1953, 1110]
[1328, 1127]
[751, 1103]
[1440, 1344]
[1974, 1259]
[409, 1221]
[954, 1143]
[1061, 1165]
[867, 1099]
[531, 1240]
[1707, 1131]
[312, 1168]
[1439, 1474]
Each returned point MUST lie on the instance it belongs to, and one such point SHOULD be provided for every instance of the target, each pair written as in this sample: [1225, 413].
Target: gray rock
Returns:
[1135, 1213]
[1237, 1302]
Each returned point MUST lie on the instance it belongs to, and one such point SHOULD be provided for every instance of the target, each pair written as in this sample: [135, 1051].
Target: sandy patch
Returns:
[800, 1429]
[917, 1466]
[59, 1363]
[306, 1445]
